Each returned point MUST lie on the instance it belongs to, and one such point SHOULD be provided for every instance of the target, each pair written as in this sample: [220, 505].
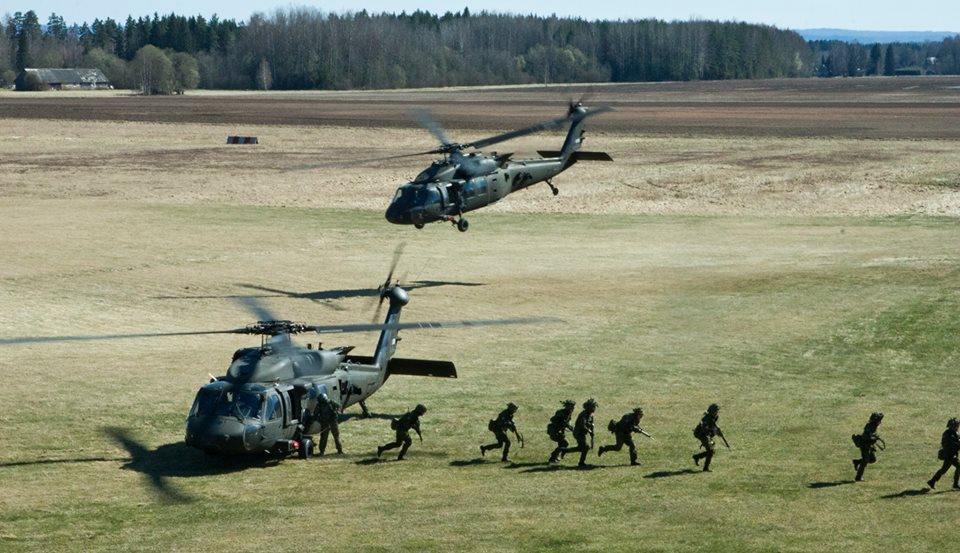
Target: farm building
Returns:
[62, 79]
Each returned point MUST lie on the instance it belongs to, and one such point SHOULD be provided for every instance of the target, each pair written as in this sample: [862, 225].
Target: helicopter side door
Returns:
[273, 417]
[475, 193]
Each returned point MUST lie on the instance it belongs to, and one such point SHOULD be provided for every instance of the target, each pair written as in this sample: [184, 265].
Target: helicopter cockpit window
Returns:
[227, 403]
[273, 408]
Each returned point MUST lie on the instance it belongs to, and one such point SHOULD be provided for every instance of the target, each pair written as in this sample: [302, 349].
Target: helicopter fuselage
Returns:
[264, 402]
[445, 196]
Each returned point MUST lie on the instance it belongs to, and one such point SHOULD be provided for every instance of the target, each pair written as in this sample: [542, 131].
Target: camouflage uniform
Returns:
[949, 448]
[559, 424]
[581, 429]
[327, 412]
[500, 426]
[705, 431]
[409, 421]
[624, 430]
[868, 445]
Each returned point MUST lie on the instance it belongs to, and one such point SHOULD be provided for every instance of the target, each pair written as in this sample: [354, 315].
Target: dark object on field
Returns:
[624, 430]
[868, 443]
[705, 431]
[461, 182]
[949, 449]
[409, 421]
[268, 400]
[500, 426]
[242, 140]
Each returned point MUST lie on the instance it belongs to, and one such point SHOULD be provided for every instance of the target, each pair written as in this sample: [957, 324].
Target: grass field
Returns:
[800, 282]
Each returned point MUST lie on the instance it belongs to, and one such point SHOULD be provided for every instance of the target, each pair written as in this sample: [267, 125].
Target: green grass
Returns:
[799, 328]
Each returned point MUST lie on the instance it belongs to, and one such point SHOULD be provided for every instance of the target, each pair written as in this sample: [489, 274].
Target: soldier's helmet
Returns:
[590, 404]
[876, 416]
[638, 412]
[569, 404]
[420, 409]
[713, 409]
[953, 422]
[512, 407]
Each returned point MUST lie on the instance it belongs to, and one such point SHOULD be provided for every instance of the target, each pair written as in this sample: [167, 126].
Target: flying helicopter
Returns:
[263, 403]
[461, 182]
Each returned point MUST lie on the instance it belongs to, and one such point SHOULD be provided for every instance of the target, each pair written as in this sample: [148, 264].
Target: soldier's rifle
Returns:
[883, 444]
[722, 437]
[519, 437]
[645, 433]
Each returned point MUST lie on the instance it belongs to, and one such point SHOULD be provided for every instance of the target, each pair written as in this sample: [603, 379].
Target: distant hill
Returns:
[870, 37]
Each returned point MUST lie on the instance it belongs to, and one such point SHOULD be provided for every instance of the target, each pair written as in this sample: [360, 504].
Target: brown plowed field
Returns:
[808, 147]
[911, 107]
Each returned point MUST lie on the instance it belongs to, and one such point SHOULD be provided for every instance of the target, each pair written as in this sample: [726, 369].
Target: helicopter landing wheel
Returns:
[463, 225]
[553, 188]
[418, 226]
[306, 448]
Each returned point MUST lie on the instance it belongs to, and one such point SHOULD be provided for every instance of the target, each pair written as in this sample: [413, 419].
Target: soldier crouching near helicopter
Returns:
[867, 442]
[328, 412]
[581, 429]
[705, 431]
[409, 421]
[623, 430]
[949, 448]
[559, 424]
[500, 426]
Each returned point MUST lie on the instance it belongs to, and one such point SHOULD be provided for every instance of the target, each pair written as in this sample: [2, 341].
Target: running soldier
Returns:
[500, 426]
[949, 448]
[581, 429]
[557, 429]
[624, 430]
[705, 431]
[867, 442]
[328, 412]
[409, 421]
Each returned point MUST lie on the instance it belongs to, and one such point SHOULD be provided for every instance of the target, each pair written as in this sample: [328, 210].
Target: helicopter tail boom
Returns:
[411, 367]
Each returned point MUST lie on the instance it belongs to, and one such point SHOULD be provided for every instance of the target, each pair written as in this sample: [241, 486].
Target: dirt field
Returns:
[805, 147]
[784, 248]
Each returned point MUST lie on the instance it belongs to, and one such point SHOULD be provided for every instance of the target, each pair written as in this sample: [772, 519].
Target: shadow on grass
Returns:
[906, 493]
[555, 468]
[177, 460]
[471, 462]
[372, 416]
[669, 473]
[64, 461]
[835, 483]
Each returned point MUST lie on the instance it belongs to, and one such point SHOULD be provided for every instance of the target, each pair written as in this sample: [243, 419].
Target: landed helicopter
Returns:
[265, 401]
[461, 182]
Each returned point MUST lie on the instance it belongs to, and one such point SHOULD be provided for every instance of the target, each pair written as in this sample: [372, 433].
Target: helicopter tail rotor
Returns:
[383, 291]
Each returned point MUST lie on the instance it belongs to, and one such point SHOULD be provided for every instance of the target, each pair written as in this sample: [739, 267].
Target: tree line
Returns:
[303, 48]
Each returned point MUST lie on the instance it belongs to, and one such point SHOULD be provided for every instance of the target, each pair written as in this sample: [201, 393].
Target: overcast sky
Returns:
[874, 15]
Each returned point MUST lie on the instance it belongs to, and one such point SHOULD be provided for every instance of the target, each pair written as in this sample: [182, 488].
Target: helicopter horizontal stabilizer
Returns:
[578, 155]
[411, 367]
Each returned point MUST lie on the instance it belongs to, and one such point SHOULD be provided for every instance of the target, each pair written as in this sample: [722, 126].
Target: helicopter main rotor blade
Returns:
[428, 122]
[46, 339]
[343, 329]
[256, 308]
[517, 133]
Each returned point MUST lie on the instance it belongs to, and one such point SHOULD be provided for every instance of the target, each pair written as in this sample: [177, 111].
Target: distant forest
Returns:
[302, 48]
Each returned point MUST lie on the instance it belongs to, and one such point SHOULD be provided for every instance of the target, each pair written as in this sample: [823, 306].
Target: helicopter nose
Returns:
[394, 214]
[217, 434]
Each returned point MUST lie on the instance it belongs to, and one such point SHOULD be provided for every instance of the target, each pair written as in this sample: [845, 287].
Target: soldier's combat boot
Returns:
[932, 483]
[379, 451]
[633, 459]
[506, 451]
[696, 459]
[601, 451]
[483, 451]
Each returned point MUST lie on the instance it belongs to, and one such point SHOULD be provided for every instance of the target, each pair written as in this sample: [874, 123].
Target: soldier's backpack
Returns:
[698, 432]
[612, 425]
[857, 440]
[393, 424]
[492, 425]
[942, 454]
